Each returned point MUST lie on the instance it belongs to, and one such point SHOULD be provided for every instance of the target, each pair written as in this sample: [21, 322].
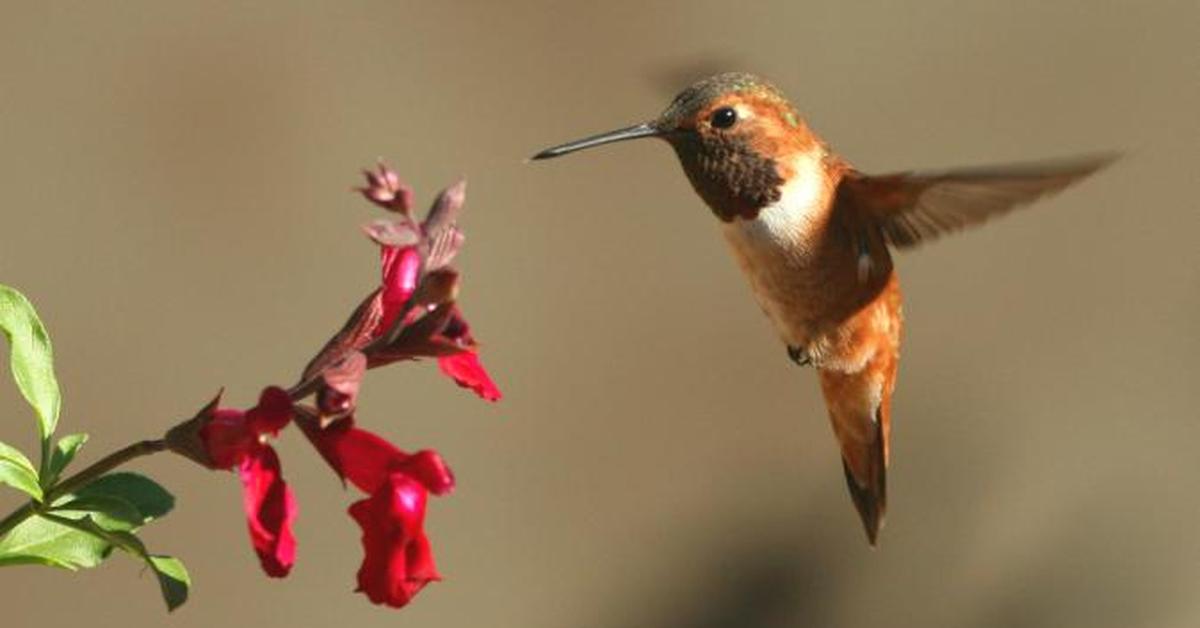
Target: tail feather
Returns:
[859, 411]
[858, 374]
[870, 497]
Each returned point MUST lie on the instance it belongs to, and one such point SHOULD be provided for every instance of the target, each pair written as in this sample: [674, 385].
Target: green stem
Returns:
[97, 469]
[16, 517]
[44, 465]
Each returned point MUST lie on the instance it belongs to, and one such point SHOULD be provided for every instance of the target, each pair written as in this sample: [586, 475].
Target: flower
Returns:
[401, 269]
[366, 459]
[398, 561]
[236, 439]
[464, 367]
[270, 510]
[231, 434]
[458, 359]
[412, 313]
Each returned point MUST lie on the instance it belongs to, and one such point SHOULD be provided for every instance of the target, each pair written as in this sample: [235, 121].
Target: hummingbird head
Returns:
[734, 134]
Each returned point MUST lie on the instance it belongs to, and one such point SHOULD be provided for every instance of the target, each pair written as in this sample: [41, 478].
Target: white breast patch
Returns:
[774, 249]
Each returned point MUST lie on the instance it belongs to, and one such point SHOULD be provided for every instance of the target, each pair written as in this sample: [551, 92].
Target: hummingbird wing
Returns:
[909, 208]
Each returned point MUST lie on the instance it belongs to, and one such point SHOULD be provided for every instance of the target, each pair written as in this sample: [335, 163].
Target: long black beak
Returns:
[629, 133]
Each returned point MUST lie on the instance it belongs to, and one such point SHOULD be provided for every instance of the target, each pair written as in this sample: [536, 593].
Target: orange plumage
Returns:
[812, 236]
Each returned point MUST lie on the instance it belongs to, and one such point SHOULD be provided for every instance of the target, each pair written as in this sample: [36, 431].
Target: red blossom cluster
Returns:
[411, 315]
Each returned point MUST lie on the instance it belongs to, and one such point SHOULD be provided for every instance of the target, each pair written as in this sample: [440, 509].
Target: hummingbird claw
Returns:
[799, 356]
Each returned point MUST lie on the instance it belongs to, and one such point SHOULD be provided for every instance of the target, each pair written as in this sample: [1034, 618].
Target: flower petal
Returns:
[273, 412]
[430, 469]
[231, 434]
[398, 561]
[400, 269]
[367, 460]
[227, 438]
[468, 372]
[270, 511]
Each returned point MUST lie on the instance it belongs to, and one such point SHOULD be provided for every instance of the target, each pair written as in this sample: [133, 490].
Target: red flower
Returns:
[230, 434]
[464, 367]
[398, 561]
[366, 459]
[412, 314]
[235, 438]
[466, 370]
[270, 511]
[401, 268]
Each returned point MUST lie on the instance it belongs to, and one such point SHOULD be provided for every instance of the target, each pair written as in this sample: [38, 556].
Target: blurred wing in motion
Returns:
[909, 208]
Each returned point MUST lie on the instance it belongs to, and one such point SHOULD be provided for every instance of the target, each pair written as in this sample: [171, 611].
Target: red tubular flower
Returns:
[398, 561]
[464, 368]
[230, 434]
[401, 267]
[412, 314]
[367, 460]
[270, 511]
[235, 438]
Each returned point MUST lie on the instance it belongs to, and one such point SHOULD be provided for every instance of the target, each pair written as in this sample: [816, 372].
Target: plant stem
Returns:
[305, 387]
[97, 469]
[16, 517]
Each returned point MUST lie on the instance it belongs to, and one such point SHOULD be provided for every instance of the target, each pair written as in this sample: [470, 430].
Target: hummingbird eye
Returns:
[723, 118]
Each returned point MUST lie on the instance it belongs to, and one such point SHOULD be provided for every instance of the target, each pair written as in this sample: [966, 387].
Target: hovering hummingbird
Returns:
[812, 236]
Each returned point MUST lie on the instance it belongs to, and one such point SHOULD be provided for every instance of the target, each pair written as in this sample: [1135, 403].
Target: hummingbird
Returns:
[813, 236]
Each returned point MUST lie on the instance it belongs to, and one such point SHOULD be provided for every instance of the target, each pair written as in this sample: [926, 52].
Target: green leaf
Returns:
[145, 495]
[32, 358]
[64, 452]
[17, 472]
[117, 504]
[173, 578]
[112, 513]
[38, 540]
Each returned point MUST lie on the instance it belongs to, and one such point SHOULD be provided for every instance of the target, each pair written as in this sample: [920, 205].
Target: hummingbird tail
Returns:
[859, 411]
[870, 498]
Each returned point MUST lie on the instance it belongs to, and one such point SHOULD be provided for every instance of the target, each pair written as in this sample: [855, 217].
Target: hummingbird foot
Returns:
[799, 355]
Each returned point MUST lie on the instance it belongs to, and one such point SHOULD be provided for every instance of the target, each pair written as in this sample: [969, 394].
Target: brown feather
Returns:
[859, 398]
[913, 207]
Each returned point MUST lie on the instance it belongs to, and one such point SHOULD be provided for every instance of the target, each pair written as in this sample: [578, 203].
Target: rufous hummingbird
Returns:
[812, 235]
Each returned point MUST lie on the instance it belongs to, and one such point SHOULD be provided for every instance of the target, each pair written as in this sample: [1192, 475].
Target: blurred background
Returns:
[175, 201]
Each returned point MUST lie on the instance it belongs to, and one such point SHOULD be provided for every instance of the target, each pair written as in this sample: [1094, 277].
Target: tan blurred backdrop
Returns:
[173, 193]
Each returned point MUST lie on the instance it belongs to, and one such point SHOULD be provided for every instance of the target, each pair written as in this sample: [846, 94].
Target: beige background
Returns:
[174, 197]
